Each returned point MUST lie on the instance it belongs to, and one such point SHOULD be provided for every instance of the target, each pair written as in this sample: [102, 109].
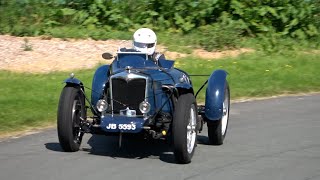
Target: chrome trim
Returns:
[126, 76]
[147, 104]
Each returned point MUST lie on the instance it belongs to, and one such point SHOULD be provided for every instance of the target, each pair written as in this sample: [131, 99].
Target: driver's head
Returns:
[145, 40]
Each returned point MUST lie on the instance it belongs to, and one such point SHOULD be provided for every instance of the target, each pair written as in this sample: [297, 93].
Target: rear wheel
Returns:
[184, 128]
[71, 112]
[217, 130]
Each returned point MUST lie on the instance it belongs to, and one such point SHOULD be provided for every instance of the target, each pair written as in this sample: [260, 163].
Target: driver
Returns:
[145, 40]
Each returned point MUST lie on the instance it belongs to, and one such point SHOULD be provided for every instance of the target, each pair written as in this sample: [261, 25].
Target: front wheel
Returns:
[71, 112]
[217, 130]
[184, 128]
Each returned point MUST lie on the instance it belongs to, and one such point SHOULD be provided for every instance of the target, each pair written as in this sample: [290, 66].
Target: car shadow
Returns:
[54, 146]
[204, 140]
[132, 147]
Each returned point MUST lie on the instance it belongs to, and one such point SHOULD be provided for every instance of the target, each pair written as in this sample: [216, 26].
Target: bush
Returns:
[225, 34]
[293, 18]
[217, 24]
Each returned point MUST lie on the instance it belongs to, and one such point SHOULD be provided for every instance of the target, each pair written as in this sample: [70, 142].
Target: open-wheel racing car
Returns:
[134, 94]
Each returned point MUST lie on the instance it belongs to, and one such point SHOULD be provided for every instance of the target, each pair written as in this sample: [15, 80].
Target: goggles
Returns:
[143, 45]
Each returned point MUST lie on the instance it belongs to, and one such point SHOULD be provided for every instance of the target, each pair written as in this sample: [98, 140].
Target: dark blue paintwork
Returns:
[162, 76]
[98, 83]
[166, 63]
[185, 86]
[74, 81]
[215, 95]
[159, 75]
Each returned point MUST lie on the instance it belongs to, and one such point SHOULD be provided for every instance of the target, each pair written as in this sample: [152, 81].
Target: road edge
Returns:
[48, 126]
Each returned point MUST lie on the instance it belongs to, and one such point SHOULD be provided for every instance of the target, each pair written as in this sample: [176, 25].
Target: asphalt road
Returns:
[268, 139]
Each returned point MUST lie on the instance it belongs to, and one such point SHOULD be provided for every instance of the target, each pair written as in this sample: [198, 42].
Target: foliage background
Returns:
[226, 22]
[287, 32]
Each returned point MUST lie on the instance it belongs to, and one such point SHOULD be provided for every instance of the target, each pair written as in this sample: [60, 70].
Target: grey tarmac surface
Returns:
[267, 140]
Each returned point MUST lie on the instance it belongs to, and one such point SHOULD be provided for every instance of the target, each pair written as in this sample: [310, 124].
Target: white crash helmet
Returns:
[145, 40]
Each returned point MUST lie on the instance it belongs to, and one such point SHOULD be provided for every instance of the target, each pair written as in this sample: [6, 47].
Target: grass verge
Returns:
[30, 100]
[260, 75]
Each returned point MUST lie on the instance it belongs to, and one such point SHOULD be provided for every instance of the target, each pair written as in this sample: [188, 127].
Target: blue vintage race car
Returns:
[134, 94]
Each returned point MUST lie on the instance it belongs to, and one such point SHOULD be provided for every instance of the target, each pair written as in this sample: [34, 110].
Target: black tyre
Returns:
[217, 130]
[71, 112]
[184, 128]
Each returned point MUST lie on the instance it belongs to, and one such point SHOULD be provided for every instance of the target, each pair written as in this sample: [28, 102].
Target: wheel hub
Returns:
[191, 130]
[225, 114]
[76, 114]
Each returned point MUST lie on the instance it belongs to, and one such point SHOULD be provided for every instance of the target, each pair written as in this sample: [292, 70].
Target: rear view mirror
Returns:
[107, 55]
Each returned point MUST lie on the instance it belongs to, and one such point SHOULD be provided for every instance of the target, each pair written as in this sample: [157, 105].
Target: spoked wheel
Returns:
[71, 113]
[217, 130]
[184, 128]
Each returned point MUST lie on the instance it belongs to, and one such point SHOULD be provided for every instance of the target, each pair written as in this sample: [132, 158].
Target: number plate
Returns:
[130, 126]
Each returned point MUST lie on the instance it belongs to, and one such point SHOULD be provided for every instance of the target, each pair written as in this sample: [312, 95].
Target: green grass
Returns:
[29, 100]
[260, 75]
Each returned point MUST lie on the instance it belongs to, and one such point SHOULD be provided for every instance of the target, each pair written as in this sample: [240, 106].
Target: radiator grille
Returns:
[128, 93]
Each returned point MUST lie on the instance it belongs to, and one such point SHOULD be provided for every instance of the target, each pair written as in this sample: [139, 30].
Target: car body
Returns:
[136, 95]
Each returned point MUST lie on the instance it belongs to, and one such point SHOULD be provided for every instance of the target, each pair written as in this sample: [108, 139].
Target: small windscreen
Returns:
[134, 60]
